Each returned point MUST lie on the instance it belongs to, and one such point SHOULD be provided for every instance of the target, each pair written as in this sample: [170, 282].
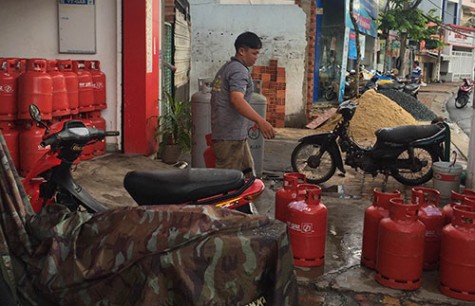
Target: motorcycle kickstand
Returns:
[385, 182]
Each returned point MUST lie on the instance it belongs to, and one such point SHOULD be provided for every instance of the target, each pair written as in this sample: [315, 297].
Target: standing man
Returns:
[416, 74]
[231, 113]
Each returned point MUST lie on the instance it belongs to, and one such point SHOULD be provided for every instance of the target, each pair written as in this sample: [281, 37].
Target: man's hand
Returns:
[245, 109]
[266, 129]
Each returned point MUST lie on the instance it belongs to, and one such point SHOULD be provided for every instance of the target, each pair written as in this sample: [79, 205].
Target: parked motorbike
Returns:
[50, 180]
[390, 81]
[464, 92]
[331, 92]
[406, 152]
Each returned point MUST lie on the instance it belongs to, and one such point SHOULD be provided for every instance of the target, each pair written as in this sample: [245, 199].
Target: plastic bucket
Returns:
[446, 177]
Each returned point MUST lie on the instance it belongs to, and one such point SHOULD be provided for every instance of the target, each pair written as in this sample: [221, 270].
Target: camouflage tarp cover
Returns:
[160, 255]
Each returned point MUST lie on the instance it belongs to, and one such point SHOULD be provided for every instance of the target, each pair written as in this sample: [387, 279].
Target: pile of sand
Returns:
[374, 111]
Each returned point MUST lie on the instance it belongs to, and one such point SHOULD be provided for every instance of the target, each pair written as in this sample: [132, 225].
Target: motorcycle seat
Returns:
[180, 186]
[407, 133]
[394, 86]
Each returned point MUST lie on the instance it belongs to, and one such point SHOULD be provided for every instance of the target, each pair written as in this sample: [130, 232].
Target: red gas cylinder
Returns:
[456, 199]
[8, 89]
[60, 93]
[10, 133]
[434, 221]
[22, 65]
[35, 86]
[29, 139]
[99, 123]
[208, 154]
[400, 247]
[72, 84]
[88, 151]
[287, 194]
[99, 83]
[457, 256]
[469, 192]
[86, 88]
[373, 214]
[307, 226]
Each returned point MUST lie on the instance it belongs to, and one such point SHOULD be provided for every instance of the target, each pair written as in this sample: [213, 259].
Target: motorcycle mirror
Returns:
[35, 114]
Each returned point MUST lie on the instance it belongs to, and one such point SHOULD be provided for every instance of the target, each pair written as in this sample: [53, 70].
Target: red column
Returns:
[140, 75]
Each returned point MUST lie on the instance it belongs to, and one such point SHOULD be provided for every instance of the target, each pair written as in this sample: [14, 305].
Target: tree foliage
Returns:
[404, 16]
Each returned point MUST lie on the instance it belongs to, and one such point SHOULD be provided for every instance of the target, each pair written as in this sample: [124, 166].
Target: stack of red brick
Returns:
[273, 88]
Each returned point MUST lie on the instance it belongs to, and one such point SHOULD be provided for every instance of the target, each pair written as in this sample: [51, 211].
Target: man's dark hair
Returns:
[416, 62]
[247, 40]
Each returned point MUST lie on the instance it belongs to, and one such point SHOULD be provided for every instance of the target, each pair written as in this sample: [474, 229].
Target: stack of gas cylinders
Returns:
[299, 205]
[401, 239]
[62, 89]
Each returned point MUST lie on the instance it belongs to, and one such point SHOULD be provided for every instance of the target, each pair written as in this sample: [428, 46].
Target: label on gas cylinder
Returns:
[432, 234]
[432, 211]
[6, 88]
[299, 205]
[302, 227]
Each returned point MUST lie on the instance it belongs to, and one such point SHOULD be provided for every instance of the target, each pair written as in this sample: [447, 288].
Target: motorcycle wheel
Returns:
[329, 95]
[416, 173]
[461, 101]
[316, 170]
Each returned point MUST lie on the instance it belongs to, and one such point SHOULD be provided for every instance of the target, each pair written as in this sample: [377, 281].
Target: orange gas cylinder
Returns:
[10, 133]
[30, 150]
[60, 93]
[85, 85]
[287, 194]
[99, 84]
[307, 226]
[72, 84]
[400, 247]
[99, 123]
[8, 89]
[35, 86]
[457, 256]
[434, 221]
[208, 154]
[373, 214]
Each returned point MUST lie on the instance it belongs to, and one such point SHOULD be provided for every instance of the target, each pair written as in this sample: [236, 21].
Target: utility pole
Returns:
[470, 182]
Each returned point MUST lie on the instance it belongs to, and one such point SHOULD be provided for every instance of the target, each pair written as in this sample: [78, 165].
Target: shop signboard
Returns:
[366, 14]
[459, 37]
[352, 46]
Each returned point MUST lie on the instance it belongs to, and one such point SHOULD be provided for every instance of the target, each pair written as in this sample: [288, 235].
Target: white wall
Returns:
[29, 29]
[281, 27]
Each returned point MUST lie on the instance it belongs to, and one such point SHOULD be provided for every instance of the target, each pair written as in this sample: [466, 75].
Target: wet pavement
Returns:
[341, 280]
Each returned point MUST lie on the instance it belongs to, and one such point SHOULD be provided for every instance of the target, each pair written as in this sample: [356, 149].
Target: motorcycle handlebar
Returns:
[112, 133]
[48, 141]
[64, 136]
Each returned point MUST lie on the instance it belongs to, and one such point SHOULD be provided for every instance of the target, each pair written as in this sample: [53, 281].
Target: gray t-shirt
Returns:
[226, 122]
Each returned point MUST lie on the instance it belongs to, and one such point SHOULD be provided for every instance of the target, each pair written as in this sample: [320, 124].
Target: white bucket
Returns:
[446, 177]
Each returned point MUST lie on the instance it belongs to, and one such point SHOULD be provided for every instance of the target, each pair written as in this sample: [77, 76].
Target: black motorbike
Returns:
[405, 152]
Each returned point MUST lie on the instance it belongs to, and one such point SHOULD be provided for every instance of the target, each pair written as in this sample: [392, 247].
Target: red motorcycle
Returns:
[464, 92]
[50, 180]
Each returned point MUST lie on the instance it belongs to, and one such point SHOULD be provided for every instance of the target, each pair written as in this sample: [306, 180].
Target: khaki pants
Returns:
[233, 154]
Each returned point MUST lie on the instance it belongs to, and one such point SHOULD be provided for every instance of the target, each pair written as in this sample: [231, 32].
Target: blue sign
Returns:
[371, 6]
[364, 17]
